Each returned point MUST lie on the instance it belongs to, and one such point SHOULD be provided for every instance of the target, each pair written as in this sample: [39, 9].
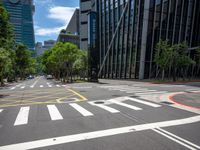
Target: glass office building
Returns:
[21, 17]
[128, 31]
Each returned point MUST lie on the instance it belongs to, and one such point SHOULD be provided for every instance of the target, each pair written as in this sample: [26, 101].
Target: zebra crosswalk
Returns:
[84, 109]
[47, 85]
[136, 90]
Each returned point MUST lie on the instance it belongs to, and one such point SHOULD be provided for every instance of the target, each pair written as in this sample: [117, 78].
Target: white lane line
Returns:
[22, 117]
[126, 105]
[58, 85]
[1, 110]
[140, 91]
[149, 93]
[54, 113]
[179, 138]
[81, 110]
[41, 86]
[98, 134]
[110, 109]
[143, 102]
[32, 86]
[175, 140]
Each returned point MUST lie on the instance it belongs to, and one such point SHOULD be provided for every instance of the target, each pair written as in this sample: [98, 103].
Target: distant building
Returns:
[85, 8]
[49, 43]
[21, 17]
[66, 37]
[73, 26]
[40, 49]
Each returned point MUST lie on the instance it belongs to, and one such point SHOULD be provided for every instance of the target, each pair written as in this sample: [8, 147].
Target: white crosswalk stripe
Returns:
[81, 110]
[110, 109]
[126, 105]
[1, 110]
[22, 87]
[22, 117]
[54, 113]
[41, 86]
[58, 85]
[144, 102]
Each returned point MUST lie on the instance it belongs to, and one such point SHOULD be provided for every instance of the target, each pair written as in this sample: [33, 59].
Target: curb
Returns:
[178, 82]
[171, 98]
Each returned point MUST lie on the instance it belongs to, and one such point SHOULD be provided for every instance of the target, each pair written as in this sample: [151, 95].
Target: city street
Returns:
[113, 114]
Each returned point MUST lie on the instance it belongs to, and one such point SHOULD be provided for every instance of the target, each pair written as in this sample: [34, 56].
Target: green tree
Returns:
[5, 63]
[163, 56]
[23, 61]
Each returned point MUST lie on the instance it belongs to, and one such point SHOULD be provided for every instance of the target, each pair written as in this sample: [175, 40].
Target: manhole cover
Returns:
[168, 103]
[99, 102]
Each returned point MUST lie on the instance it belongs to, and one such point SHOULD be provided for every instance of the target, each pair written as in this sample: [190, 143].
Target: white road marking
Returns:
[175, 140]
[80, 109]
[32, 86]
[126, 105]
[143, 102]
[13, 88]
[49, 85]
[54, 113]
[58, 85]
[179, 138]
[22, 117]
[98, 134]
[41, 86]
[110, 109]
[22, 87]
[1, 110]
[140, 91]
[149, 93]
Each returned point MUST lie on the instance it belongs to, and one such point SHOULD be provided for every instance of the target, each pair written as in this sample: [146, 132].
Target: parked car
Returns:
[30, 77]
[49, 76]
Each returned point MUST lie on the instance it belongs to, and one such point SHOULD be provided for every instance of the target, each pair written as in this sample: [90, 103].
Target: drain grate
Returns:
[165, 102]
[99, 102]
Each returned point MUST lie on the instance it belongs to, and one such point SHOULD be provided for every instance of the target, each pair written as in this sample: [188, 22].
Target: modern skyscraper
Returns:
[85, 8]
[128, 31]
[21, 17]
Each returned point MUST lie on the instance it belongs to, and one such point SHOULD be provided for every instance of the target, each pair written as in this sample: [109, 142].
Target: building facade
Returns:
[128, 31]
[21, 17]
[40, 48]
[85, 8]
[71, 38]
[73, 26]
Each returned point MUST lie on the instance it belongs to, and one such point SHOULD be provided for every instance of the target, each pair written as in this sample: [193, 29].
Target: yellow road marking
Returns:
[81, 96]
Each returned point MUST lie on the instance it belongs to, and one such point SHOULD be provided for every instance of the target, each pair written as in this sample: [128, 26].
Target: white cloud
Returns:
[39, 31]
[58, 13]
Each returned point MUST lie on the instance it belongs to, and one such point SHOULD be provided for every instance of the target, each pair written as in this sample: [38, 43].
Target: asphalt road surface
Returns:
[111, 115]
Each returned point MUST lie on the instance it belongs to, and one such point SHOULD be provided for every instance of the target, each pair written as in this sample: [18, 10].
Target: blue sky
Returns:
[51, 16]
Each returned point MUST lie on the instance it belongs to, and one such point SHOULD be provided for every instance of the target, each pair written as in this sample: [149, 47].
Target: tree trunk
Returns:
[174, 74]
[163, 74]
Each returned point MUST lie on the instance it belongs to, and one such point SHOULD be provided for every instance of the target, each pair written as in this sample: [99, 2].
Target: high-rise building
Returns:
[85, 8]
[128, 31]
[73, 26]
[40, 48]
[21, 17]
